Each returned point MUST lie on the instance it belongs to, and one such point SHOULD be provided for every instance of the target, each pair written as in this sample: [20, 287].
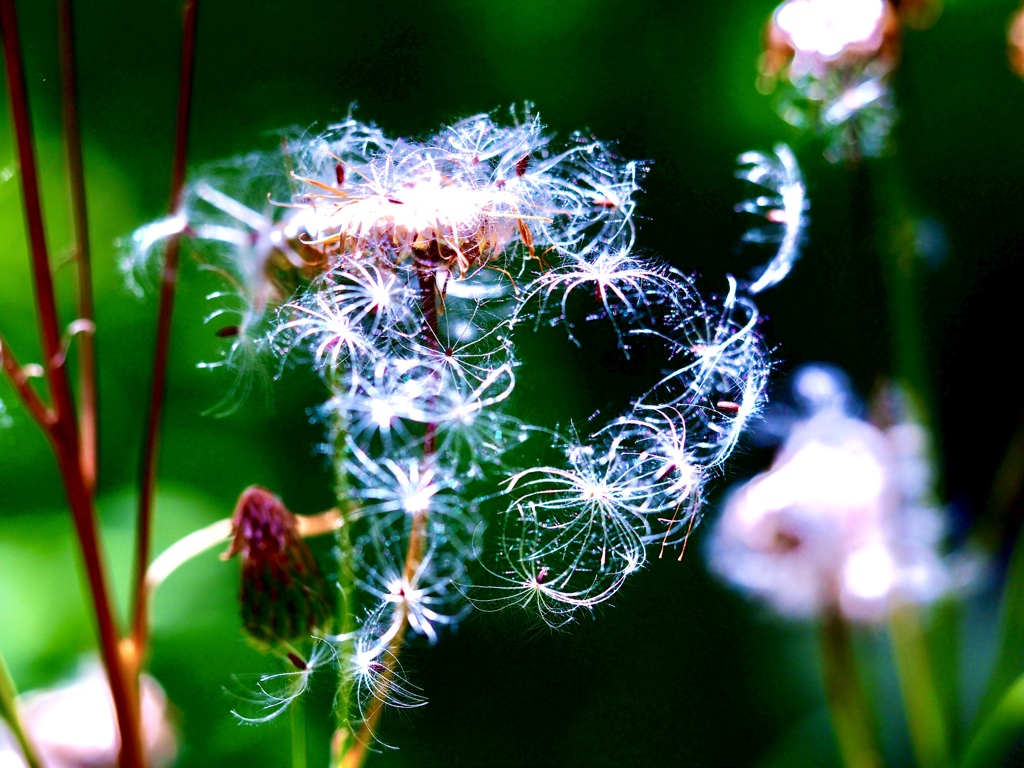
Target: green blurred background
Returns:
[679, 671]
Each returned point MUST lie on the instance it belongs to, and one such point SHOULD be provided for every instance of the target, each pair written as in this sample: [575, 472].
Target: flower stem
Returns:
[346, 626]
[851, 714]
[205, 539]
[88, 407]
[9, 712]
[62, 429]
[46, 304]
[298, 714]
[929, 699]
[183, 550]
[120, 672]
[168, 287]
[20, 379]
[925, 717]
[357, 749]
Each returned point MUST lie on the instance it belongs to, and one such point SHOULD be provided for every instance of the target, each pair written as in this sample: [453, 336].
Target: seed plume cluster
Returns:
[401, 271]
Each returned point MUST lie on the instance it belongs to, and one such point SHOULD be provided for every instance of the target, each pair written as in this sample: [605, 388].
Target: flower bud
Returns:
[282, 589]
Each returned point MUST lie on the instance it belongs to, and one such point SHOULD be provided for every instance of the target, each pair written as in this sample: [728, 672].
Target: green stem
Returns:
[346, 622]
[909, 365]
[1010, 651]
[298, 712]
[999, 732]
[9, 712]
[851, 714]
[925, 718]
[930, 699]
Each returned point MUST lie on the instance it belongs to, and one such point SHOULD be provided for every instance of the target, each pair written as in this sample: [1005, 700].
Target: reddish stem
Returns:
[34, 404]
[88, 408]
[168, 286]
[43, 280]
[62, 427]
[122, 680]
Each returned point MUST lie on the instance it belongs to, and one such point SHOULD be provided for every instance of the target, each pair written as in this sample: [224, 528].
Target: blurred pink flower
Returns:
[823, 32]
[72, 725]
[842, 520]
[1015, 41]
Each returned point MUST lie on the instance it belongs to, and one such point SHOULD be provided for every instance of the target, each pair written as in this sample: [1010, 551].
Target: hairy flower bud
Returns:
[282, 589]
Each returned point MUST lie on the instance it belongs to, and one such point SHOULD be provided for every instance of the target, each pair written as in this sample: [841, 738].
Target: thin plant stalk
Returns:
[358, 748]
[218, 533]
[88, 413]
[928, 733]
[1005, 495]
[851, 715]
[298, 715]
[21, 380]
[929, 699]
[62, 429]
[9, 713]
[168, 288]
[346, 626]
[46, 304]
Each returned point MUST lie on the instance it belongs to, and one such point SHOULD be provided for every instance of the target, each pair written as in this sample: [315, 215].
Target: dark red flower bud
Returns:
[282, 593]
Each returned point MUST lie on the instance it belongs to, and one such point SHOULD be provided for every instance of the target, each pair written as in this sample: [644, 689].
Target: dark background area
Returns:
[678, 671]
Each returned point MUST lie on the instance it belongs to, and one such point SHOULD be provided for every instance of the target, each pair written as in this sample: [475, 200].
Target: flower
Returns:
[1015, 41]
[823, 32]
[72, 724]
[835, 58]
[841, 521]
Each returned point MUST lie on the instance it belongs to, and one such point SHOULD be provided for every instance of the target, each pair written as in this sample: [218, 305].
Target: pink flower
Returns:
[840, 521]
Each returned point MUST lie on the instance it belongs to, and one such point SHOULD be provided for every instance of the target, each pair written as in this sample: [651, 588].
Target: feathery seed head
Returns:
[400, 271]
